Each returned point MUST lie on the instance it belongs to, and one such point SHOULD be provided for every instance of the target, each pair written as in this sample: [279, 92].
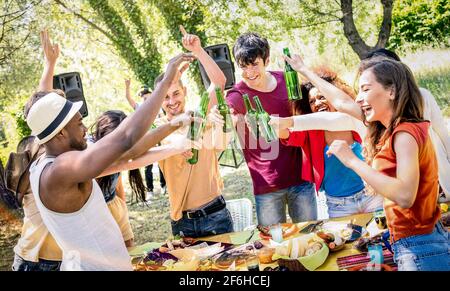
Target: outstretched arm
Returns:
[153, 137]
[338, 98]
[178, 144]
[72, 166]
[51, 54]
[331, 121]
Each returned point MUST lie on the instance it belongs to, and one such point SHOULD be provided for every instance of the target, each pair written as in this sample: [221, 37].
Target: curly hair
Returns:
[302, 106]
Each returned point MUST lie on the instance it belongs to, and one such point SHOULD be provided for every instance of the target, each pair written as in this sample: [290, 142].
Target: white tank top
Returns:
[90, 238]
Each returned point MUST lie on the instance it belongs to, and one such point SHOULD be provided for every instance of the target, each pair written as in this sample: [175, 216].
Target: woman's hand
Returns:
[343, 152]
[296, 63]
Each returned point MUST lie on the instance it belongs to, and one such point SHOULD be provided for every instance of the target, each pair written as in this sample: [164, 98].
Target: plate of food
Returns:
[236, 257]
[288, 229]
[347, 231]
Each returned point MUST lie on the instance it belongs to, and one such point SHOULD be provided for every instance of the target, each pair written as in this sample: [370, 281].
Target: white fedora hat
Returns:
[49, 115]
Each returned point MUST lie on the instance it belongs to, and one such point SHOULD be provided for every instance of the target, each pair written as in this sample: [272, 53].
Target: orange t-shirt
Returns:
[423, 215]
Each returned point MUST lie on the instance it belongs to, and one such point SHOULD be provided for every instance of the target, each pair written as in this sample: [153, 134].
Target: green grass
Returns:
[438, 83]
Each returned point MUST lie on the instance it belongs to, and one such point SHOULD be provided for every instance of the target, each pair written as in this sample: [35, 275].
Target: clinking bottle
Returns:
[196, 128]
[265, 129]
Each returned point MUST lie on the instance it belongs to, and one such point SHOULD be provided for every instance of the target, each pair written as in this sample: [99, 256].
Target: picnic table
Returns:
[239, 238]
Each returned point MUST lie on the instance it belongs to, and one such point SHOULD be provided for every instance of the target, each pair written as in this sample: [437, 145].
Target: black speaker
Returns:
[220, 53]
[71, 84]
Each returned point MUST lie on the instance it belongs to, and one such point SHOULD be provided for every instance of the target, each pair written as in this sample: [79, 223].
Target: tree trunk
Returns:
[351, 33]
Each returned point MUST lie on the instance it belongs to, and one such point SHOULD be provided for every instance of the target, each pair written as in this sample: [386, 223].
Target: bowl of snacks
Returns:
[302, 253]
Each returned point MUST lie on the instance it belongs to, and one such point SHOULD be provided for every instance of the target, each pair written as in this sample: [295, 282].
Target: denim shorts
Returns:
[43, 265]
[354, 204]
[427, 252]
[300, 199]
[215, 223]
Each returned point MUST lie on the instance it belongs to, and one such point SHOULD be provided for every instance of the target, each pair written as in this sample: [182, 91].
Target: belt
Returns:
[215, 206]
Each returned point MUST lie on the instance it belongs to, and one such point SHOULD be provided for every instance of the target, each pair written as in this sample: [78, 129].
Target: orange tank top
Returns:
[423, 215]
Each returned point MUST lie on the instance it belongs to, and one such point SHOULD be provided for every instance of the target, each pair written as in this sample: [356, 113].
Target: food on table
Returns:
[226, 259]
[299, 247]
[288, 229]
[155, 260]
[334, 241]
[363, 243]
[258, 245]
[187, 260]
[265, 255]
[176, 243]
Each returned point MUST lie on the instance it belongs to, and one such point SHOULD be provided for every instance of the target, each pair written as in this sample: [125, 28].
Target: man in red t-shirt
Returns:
[275, 168]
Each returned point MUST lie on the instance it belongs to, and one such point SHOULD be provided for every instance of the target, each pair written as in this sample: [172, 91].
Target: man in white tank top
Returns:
[69, 200]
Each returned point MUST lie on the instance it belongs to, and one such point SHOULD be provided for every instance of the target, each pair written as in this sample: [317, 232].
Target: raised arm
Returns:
[128, 94]
[192, 43]
[81, 166]
[338, 98]
[51, 54]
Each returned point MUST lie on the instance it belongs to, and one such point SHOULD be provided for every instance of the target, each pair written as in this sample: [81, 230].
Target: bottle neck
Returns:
[259, 107]
[219, 97]
[248, 106]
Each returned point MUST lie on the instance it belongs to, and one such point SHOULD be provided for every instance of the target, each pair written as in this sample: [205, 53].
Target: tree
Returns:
[421, 23]
[12, 19]
[351, 33]
[139, 49]
[142, 57]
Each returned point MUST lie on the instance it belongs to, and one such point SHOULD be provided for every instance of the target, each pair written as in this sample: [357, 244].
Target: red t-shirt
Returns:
[273, 166]
[423, 215]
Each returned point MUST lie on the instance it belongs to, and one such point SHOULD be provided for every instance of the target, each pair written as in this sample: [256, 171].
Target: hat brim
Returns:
[75, 108]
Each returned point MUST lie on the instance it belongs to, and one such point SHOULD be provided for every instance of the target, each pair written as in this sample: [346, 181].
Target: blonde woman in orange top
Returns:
[402, 164]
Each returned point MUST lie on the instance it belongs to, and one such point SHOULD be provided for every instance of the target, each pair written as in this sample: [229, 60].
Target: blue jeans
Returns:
[428, 252]
[301, 201]
[354, 204]
[43, 265]
[215, 223]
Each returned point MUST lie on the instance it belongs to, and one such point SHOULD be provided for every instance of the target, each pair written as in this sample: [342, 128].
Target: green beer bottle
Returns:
[224, 110]
[291, 78]
[196, 128]
[263, 121]
[251, 116]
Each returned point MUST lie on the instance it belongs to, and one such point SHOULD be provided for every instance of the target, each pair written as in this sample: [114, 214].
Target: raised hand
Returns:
[190, 42]
[51, 51]
[173, 67]
[127, 83]
[296, 62]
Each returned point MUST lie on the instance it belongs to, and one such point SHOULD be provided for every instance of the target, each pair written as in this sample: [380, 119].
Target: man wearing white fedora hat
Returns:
[68, 198]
